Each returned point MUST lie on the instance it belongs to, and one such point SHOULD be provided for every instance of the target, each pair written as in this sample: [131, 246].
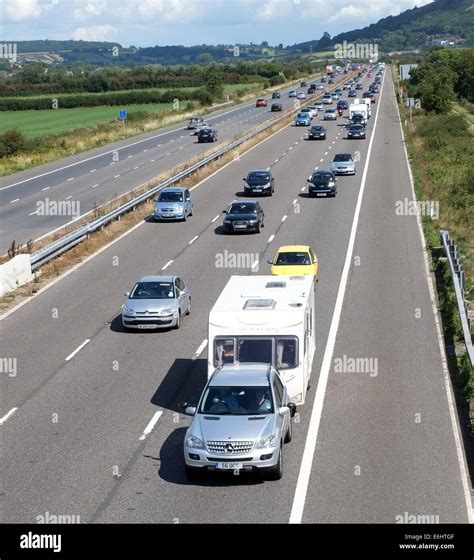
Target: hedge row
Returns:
[95, 100]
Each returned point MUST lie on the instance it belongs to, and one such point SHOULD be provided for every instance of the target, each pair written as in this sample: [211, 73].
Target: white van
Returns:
[266, 319]
[367, 102]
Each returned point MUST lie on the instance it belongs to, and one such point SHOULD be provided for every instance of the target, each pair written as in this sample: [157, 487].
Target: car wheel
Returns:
[190, 212]
[188, 312]
[185, 216]
[178, 320]
[257, 229]
[277, 471]
[289, 433]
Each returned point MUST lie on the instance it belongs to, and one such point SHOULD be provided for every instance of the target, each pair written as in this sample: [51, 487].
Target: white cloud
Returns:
[92, 8]
[19, 10]
[94, 33]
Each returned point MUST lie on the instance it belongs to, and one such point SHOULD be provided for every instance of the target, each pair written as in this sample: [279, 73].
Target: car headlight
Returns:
[195, 442]
[129, 311]
[269, 441]
[331, 183]
[167, 311]
[253, 221]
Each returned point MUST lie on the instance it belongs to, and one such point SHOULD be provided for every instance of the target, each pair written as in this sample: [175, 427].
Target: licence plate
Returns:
[257, 190]
[229, 466]
[240, 227]
[146, 326]
[320, 194]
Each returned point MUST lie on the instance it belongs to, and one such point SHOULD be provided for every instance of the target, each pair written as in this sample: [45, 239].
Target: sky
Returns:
[190, 22]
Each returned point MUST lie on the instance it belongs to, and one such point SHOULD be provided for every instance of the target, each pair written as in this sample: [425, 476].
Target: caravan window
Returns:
[255, 350]
[224, 351]
[286, 352]
[280, 351]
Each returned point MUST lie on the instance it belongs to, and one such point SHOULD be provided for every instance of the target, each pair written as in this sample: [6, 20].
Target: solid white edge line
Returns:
[7, 416]
[301, 490]
[442, 350]
[200, 349]
[78, 349]
[168, 264]
[150, 425]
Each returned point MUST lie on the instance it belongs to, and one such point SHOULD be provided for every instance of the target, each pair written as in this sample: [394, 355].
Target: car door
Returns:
[188, 203]
[279, 392]
[181, 295]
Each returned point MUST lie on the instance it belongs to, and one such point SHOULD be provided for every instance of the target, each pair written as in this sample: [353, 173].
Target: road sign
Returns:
[410, 102]
[122, 114]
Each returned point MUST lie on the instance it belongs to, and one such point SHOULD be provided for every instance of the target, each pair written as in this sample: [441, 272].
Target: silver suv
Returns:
[241, 422]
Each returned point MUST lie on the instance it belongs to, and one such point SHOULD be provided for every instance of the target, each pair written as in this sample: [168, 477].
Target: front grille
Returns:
[150, 322]
[229, 447]
[241, 459]
[146, 313]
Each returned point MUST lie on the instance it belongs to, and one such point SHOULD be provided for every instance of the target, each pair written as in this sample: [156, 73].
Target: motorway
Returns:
[97, 176]
[366, 447]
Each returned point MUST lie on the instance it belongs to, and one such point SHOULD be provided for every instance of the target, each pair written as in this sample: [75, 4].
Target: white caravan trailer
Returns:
[367, 102]
[266, 319]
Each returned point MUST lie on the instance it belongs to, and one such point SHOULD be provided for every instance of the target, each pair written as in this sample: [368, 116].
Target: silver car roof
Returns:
[167, 278]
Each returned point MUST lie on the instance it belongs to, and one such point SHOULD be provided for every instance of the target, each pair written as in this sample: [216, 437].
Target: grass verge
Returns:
[441, 152]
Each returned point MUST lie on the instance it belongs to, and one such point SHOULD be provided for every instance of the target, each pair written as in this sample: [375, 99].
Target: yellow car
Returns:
[295, 260]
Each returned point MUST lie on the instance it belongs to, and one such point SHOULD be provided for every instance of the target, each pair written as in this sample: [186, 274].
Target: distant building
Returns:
[445, 40]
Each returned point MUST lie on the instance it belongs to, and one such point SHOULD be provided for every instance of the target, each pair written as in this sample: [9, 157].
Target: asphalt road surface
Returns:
[94, 177]
[367, 447]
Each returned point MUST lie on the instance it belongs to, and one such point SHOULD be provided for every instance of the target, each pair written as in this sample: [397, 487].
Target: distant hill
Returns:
[107, 53]
[412, 28]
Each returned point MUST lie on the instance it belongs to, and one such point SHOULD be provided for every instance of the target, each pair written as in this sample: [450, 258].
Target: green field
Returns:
[36, 123]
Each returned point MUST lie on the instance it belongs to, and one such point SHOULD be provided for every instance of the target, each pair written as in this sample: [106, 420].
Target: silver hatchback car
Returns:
[241, 422]
[173, 203]
[156, 302]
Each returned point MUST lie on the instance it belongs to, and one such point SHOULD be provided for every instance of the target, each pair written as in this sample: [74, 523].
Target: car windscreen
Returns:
[153, 290]
[259, 176]
[170, 197]
[342, 157]
[293, 258]
[321, 177]
[242, 209]
[239, 400]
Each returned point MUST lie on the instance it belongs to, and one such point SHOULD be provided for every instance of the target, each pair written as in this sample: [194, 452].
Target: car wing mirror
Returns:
[126, 294]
